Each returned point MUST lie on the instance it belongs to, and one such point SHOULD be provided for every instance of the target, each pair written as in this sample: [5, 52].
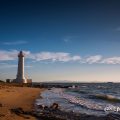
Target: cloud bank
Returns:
[54, 56]
[59, 57]
[93, 59]
[8, 55]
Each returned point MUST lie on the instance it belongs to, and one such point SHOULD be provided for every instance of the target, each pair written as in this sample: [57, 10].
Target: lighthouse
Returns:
[20, 72]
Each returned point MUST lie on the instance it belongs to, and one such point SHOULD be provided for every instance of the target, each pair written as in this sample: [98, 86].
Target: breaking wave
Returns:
[109, 98]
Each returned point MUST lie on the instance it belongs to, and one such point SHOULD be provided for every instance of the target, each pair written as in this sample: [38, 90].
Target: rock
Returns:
[54, 106]
[41, 107]
[17, 111]
[113, 117]
[46, 107]
[22, 113]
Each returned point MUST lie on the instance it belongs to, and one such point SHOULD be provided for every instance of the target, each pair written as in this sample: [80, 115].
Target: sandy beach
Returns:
[17, 97]
[17, 103]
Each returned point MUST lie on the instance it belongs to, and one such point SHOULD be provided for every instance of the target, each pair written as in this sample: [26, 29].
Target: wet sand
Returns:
[17, 97]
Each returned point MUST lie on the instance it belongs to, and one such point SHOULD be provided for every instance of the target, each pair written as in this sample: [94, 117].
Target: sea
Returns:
[90, 98]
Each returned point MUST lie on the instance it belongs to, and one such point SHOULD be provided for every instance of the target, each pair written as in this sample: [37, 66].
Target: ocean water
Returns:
[96, 99]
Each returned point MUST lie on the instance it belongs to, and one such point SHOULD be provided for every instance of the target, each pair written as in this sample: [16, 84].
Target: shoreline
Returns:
[53, 111]
[18, 103]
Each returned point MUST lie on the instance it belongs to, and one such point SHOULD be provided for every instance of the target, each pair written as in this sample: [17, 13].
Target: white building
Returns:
[20, 73]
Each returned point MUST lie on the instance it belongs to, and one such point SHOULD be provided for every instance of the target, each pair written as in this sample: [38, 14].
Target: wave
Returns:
[78, 91]
[83, 102]
[109, 98]
[77, 103]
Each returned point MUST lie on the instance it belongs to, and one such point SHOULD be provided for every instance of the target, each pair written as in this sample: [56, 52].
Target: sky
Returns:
[63, 40]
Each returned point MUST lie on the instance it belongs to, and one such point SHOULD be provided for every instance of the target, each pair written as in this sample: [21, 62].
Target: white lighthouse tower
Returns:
[20, 73]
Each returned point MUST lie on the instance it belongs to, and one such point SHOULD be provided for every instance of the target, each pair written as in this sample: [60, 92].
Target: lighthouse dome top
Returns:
[21, 54]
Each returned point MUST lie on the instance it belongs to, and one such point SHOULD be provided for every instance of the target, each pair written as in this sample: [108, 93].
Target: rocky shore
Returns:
[16, 103]
[54, 113]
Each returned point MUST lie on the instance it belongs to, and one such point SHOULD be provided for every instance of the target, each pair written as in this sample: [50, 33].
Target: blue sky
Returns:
[63, 40]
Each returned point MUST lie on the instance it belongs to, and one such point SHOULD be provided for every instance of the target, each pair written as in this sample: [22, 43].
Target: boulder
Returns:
[17, 111]
[54, 106]
[41, 107]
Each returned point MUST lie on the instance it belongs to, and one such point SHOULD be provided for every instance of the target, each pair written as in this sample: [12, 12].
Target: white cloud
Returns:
[8, 55]
[15, 42]
[93, 59]
[76, 58]
[41, 56]
[54, 56]
[112, 60]
[26, 53]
